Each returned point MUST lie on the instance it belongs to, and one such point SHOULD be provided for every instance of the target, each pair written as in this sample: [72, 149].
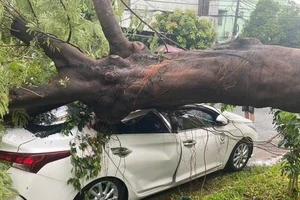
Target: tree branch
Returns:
[118, 43]
[32, 10]
[48, 94]
[69, 21]
[63, 54]
[35, 99]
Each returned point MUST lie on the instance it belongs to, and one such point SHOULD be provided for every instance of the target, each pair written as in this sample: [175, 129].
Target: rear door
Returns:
[147, 154]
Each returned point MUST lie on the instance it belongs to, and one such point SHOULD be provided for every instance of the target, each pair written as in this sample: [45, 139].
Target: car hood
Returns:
[235, 118]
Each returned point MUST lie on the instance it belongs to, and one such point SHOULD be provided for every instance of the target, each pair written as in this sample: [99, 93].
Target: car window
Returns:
[53, 117]
[148, 123]
[192, 118]
[50, 122]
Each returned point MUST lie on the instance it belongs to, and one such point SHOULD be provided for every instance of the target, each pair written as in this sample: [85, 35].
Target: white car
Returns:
[147, 155]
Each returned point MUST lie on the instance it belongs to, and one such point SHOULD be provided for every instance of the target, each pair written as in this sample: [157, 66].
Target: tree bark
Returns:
[243, 72]
[62, 53]
[118, 43]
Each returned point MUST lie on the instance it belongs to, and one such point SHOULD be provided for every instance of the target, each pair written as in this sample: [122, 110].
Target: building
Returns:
[223, 14]
[147, 9]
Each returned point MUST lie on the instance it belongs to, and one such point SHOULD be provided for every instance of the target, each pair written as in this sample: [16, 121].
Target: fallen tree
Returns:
[243, 72]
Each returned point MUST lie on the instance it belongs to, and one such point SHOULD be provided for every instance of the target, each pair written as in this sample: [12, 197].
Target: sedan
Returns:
[149, 151]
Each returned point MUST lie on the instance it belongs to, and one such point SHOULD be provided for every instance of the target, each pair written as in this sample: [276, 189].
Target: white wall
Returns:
[164, 5]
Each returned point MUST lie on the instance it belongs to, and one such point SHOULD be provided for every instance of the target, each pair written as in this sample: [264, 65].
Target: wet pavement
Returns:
[266, 150]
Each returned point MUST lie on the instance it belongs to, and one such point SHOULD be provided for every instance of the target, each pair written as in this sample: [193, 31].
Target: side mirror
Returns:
[222, 120]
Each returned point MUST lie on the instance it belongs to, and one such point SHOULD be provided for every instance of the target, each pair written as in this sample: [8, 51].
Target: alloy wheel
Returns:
[104, 190]
[240, 155]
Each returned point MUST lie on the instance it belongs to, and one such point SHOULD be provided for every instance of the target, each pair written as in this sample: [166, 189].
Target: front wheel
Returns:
[239, 156]
[104, 189]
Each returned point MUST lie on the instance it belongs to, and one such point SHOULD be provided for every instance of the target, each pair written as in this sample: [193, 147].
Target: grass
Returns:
[253, 183]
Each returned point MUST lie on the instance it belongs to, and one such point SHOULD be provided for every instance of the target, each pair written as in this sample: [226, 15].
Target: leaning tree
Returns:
[242, 72]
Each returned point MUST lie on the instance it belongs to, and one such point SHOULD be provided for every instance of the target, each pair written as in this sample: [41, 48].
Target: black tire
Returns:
[239, 156]
[111, 184]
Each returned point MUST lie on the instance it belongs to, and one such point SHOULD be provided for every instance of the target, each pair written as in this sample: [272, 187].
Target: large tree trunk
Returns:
[243, 72]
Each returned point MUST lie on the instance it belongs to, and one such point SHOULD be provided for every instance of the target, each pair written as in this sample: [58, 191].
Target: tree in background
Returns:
[274, 24]
[186, 28]
[289, 22]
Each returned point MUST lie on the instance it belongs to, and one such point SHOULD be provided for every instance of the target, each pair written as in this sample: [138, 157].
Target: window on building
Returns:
[203, 8]
[221, 16]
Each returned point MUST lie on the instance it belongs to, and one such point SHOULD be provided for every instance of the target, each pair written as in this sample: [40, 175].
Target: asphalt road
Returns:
[266, 151]
[262, 121]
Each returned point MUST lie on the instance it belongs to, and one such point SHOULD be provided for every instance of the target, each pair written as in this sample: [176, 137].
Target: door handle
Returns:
[122, 152]
[189, 143]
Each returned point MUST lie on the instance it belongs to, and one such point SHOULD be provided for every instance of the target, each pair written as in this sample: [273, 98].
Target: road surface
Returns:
[264, 153]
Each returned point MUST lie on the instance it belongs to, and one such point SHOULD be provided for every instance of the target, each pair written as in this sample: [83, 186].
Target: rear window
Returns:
[52, 117]
[50, 122]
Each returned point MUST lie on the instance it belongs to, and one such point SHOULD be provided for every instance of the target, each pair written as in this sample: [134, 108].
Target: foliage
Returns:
[256, 182]
[72, 21]
[28, 65]
[289, 22]
[6, 190]
[86, 155]
[186, 28]
[86, 150]
[20, 118]
[227, 107]
[274, 24]
[288, 124]
[80, 116]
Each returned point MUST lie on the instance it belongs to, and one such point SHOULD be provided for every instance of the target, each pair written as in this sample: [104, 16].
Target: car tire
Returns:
[239, 156]
[105, 188]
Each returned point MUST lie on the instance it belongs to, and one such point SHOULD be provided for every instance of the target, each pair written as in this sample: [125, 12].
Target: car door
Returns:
[146, 153]
[203, 147]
